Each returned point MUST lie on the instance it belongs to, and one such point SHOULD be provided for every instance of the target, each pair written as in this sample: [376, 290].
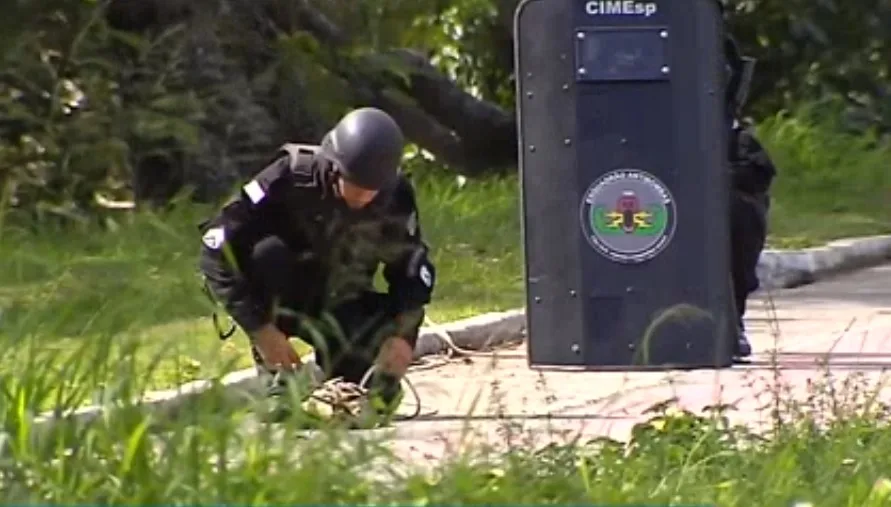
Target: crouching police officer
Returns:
[752, 173]
[304, 240]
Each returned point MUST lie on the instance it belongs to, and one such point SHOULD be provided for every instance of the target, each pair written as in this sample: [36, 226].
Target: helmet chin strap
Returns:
[336, 179]
[331, 175]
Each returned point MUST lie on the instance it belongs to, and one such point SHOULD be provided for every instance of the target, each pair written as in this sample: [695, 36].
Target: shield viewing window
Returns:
[622, 54]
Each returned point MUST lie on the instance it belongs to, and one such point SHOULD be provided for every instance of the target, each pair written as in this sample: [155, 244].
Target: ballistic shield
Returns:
[625, 183]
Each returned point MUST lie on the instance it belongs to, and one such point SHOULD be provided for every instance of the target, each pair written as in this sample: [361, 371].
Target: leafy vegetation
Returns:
[133, 281]
[163, 106]
[213, 453]
[832, 183]
[113, 101]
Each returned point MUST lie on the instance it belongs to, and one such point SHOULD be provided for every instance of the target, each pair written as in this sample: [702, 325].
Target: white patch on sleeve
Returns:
[412, 224]
[426, 277]
[214, 238]
[254, 191]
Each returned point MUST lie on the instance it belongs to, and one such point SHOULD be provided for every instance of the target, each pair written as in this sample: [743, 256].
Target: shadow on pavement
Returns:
[833, 361]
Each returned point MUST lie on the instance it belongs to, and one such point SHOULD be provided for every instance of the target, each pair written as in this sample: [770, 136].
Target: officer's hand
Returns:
[275, 349]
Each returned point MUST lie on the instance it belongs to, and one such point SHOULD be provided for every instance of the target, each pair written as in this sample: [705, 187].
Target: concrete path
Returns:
[845, 321]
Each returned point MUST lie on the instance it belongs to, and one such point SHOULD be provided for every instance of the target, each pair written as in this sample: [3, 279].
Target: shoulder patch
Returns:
[426, 277]
[254, 191]
[214, 238]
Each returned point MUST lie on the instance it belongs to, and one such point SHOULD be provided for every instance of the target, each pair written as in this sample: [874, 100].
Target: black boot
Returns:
[743, 347]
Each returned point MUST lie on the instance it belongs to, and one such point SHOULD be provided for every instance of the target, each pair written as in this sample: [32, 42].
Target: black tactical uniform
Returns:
[752, 174]
[288, 250]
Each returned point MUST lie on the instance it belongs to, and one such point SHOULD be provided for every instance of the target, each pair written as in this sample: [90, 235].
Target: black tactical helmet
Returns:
[366, 145]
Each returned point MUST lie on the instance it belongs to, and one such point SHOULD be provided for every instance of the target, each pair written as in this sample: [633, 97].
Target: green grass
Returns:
[138, 282]
[134, 282]
[831, 184]
[105, 313]
[207, 456]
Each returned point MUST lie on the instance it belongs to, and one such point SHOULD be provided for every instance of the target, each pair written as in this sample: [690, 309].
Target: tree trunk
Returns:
[471, 136]
[243, 124]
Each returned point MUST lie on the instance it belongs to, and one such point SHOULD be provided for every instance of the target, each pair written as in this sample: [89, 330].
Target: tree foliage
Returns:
[813, 50]
[118, 100]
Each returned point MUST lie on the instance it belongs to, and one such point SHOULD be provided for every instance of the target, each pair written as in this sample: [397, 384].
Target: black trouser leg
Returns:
[365, 323]
[292, 292]
[748, 231]
[286, 287]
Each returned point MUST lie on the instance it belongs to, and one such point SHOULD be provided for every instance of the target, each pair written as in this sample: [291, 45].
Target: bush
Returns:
[832, 183]
[822, 165]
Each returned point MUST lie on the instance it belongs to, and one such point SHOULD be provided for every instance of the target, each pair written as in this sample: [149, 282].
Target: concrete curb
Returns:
[474, 333]
[784, 269]
[777, 269]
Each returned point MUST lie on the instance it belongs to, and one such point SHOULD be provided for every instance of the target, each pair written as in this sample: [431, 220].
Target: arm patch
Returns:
[254, 191]
[214, 238]
[426, 276]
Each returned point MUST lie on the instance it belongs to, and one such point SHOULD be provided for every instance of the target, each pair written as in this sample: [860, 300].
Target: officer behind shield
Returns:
[752, 175]
[304, 239]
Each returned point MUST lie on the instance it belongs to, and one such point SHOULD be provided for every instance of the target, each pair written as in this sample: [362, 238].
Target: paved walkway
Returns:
[831, 331]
